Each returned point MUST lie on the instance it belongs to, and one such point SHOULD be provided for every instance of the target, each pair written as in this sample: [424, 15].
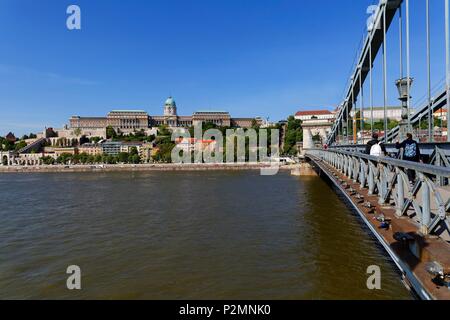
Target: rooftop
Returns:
[128, 111]
[211, 112]
[93, 118]
[313, 113]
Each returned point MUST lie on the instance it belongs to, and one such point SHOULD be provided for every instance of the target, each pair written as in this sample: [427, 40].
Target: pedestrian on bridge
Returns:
[375, 147]
[411, 152]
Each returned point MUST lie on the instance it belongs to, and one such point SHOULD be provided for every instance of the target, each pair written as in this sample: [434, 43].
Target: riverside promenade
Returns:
[141, 167]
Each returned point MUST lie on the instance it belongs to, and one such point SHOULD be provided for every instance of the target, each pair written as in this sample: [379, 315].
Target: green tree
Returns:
[6, 145]
[110, 159]
[135, 159]
[98, 158]
[64, 158]
[76, 159]
[90, 159]
[21, 144]
[110, 133]
[77, 132]
[104, 158]
[94, 139]
[163, 131]
[134, 151]
[123, 157]
[164, 153]
[47, 160]
[293, 134]
[83, 157]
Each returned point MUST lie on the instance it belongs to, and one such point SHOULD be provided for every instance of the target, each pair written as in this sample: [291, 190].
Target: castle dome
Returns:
[170, 102]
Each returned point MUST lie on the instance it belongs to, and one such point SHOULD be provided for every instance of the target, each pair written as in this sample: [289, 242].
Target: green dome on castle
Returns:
[170, 102]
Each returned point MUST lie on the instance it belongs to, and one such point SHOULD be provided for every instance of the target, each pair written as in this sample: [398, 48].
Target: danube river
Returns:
[184, 235]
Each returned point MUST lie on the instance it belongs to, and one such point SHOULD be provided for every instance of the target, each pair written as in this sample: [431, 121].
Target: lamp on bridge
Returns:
[404, 88]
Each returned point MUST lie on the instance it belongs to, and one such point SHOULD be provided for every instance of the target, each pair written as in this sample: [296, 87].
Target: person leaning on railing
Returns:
[411, 152]
[375, 148]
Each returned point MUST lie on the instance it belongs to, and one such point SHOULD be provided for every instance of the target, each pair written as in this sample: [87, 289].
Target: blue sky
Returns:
[266, 58]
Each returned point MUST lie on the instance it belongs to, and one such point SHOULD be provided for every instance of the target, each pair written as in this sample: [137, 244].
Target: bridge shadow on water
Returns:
[345, 247]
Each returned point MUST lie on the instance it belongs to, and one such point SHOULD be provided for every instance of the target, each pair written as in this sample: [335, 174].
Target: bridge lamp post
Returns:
[404, 87]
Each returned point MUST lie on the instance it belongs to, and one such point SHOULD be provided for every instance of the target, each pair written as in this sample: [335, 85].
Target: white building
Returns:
[393, 113]
[315, 115]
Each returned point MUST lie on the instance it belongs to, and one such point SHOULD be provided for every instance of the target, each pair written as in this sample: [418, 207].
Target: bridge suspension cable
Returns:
[408, 66]
[382, 17]
[385, 95]
[447, 63]
[430, 114]
[377, 42]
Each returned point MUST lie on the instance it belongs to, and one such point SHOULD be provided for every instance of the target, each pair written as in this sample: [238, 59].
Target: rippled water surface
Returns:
[206, 235]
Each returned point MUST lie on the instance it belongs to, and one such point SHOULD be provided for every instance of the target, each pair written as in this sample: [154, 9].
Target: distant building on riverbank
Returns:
[392, 113]
[315, 115]
[127, 121]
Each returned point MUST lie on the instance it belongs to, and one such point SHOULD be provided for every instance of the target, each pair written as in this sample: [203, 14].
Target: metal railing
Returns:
[431, 153]
[35, 145]
[425, 199]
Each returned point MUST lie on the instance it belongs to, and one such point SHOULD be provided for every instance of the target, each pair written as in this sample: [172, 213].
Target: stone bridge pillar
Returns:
[323, 133]
[312, 128]
[308, 142]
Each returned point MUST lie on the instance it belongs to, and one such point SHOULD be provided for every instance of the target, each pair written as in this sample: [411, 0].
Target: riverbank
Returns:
[140, 167]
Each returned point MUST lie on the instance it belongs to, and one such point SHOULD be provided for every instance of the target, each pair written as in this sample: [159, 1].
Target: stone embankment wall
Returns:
[303, 169]
[139, 167]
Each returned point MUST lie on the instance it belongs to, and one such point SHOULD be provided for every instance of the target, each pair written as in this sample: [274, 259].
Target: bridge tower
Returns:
[312, 128]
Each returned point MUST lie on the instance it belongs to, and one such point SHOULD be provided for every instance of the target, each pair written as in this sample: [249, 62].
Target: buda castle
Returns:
[127, 121]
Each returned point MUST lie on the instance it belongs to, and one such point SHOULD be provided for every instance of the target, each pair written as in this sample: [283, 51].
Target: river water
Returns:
[191, 235]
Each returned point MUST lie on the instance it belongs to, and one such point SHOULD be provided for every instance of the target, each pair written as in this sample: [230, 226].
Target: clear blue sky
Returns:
[266, 58]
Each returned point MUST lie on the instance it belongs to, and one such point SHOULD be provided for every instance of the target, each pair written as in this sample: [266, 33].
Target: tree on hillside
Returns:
[123, 157]
[21, 144]
[110, 133]
[77, 132]
[163, 131]
[293, 134]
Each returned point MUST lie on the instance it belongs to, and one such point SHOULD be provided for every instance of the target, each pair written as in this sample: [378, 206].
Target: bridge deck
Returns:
[411, 259]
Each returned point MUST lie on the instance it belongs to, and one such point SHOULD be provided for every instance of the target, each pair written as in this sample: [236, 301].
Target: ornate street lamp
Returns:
[404, 88]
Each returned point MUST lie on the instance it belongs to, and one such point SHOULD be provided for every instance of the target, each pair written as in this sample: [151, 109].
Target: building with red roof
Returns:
[315, 115]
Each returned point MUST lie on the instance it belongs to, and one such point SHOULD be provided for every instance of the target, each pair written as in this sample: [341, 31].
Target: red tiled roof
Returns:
[193, 140]
[313, 113]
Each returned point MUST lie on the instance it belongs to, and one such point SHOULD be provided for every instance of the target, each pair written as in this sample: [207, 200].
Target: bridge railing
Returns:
[418, 191]
[435, 153]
